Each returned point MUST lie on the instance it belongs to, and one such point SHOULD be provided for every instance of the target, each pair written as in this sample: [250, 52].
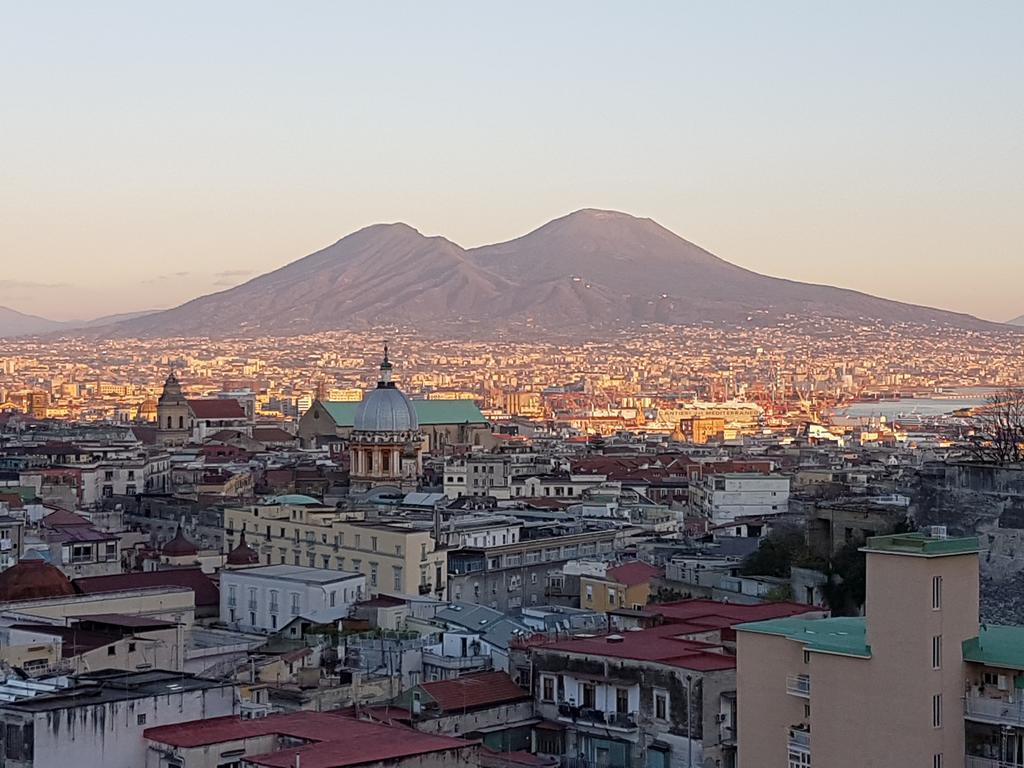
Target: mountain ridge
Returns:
[590, 270]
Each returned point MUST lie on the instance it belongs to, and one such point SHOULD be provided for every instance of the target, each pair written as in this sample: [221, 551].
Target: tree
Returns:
[845, 586]
[776, 554]
[999, 428]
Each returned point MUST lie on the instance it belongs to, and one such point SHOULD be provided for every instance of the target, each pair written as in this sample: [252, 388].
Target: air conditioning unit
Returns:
[721, 718]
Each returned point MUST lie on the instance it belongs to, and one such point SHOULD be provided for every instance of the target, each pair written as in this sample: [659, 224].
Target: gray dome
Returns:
[386, 409]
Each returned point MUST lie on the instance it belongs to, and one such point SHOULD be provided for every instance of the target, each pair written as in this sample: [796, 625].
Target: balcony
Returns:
[993, 711]
[970, 761]
[586, 716]
[799, 739]
[456, 662]
[798, 685]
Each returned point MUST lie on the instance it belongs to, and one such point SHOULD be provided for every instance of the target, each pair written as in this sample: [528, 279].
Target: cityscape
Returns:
[544, 489]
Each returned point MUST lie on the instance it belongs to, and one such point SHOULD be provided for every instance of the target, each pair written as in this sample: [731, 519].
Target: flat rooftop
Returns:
[922, 545]
[111, 685]
[843, 635]
[295, 573]
[996, 646]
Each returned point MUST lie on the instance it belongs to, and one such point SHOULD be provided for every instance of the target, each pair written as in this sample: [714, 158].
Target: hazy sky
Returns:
[151, 152]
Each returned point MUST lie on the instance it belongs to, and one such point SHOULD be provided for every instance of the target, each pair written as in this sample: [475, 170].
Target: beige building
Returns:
[299, 530]
[884, 690]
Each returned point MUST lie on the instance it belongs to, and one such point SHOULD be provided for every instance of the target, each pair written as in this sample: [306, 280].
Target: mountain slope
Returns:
[384, 273]
[589, 269]
[14, 323]
[1017, 321]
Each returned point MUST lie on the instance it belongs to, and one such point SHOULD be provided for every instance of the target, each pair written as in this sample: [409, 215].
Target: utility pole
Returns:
[689, 713]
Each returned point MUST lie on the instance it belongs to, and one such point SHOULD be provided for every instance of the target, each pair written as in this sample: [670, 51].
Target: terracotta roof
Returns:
[63, 518]
[338, 740]
[476, 691]
[32, 580]
[664, 645]
[205, 590]
[216, 408]
[272, 435]
[726, 614]
[633, 573]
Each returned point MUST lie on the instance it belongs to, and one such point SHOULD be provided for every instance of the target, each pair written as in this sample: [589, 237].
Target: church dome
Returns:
[32, 580]
[179, 546]
[243, 554]
[386, 408]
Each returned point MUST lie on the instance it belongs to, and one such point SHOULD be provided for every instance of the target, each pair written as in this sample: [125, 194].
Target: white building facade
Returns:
[267, 598]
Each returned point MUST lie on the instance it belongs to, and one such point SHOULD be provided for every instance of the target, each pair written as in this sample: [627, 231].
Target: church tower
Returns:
[172, 414]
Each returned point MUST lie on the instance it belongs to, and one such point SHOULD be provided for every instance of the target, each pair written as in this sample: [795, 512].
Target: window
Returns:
[141, 719]
[273, 601]
[936, 593]
[111, 650]
[937, 710]
[937, 652]
[937, 760]
[588, 695]
[232, 595]
[398, 584]
[590, 593]
[661, 705]
[373, 574]
[334, 599]
[547, 688]
[611, 596]
[373, 543]
[622, 701]
[295, 603]
[131, 647]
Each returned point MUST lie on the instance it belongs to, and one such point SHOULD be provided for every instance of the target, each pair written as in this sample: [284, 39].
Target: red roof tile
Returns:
[193, 578]
[663, 644]
[337, 740]
[483, 689]
[63, 518]
[633, 573]
[217, 408]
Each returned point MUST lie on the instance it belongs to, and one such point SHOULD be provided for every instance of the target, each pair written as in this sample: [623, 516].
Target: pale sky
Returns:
[152, 152]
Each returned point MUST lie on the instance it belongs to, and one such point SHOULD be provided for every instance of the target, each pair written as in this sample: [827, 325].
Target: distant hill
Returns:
[14, 323]
[591, 269]
[1017, 321]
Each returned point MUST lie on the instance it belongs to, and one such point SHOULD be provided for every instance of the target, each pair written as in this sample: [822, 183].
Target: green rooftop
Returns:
[843, 635]
[429, 412]
[922, 545]
[996, 646]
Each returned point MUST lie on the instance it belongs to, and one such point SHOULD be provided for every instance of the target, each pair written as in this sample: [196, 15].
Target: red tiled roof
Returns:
[633, 573]
[338, 740]
[663, 644]
[483, 689]
[63, 518]
[272, 435]
[217, 408]
[192, 578]
[726, 614]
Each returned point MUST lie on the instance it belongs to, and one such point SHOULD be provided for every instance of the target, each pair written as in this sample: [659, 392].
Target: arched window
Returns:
[181, 422]
[168, 422]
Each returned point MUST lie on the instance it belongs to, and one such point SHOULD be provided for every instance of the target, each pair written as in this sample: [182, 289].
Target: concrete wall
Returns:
[110, 735]
[764, 710]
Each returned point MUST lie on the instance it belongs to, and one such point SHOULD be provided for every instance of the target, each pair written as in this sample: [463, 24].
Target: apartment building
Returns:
[507, 577]
[627, 585]
[300, 530]
[899, 687]
[268, 598]
[723, 497]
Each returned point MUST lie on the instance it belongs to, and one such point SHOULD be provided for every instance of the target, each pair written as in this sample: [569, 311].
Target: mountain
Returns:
[589, 269]
[1017, 321]
[14, 323]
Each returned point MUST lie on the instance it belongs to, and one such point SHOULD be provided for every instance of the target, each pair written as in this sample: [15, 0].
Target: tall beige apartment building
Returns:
[917, 683]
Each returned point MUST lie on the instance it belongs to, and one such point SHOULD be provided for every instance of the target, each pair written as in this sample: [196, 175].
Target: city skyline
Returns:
[209, 149]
